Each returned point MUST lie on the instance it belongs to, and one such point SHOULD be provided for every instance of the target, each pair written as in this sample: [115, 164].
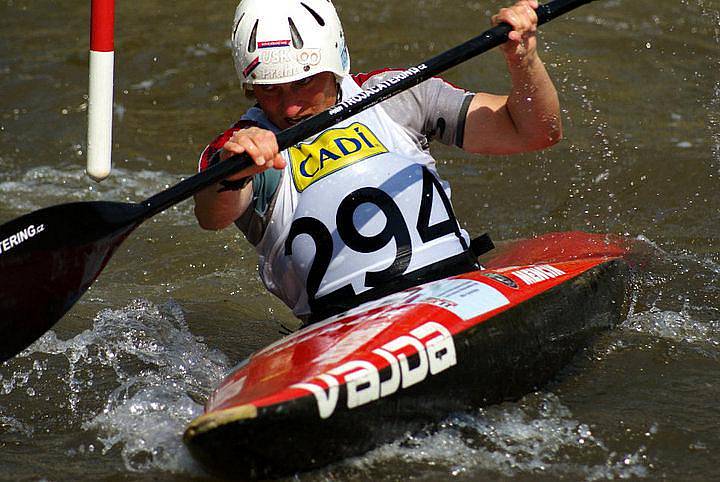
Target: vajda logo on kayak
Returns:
[431, 341]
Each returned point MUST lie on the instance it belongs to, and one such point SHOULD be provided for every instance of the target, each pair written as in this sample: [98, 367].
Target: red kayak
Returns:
[347, 384]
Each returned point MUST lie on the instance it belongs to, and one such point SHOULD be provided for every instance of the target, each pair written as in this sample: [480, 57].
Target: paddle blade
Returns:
[49, 258]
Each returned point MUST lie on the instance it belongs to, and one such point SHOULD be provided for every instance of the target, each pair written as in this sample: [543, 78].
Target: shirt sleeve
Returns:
[254, 221]
[432, 110]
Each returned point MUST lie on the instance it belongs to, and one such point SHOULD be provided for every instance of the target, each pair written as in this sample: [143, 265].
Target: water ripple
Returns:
[43, 186]
[151, 371]
[537, 436]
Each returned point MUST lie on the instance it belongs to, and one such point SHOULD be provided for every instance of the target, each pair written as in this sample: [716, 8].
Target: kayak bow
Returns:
[345, 385]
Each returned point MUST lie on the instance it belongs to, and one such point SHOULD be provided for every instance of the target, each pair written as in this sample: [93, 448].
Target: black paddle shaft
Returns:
[50, 257]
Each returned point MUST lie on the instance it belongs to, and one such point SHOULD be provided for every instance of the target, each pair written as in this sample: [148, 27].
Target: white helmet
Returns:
[279, 41]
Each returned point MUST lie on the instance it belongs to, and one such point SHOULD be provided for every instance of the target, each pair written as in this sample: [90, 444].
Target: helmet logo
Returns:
[345, 59]
[309, 57]
[275, 56]
[273, 43]
[283, 71]
[251, 67]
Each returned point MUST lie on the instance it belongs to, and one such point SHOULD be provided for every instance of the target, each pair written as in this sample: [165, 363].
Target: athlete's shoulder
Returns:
[370, 79]
[374, 77]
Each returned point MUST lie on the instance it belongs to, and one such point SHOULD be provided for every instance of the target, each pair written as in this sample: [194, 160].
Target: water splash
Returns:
[132, 382]
[145, 419]
[12, 425]
[707, 10]
[663, 311]
[663, 266]
[678, 327]
[537, 436]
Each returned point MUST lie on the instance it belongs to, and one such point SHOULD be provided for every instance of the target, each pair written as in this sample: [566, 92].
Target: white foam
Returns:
[44, 186]
[533, 436]
[152, 374]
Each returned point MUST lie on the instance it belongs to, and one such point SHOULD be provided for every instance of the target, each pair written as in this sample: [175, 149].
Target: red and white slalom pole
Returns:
[100, 94]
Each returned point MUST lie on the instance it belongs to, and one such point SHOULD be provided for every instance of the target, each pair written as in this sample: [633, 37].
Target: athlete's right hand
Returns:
[260, 144]
[217, 208]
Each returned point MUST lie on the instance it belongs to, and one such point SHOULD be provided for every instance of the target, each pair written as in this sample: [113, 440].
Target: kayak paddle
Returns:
[50, 257]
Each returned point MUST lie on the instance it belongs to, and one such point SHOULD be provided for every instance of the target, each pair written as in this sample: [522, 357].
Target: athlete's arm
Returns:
[216, 207]
[528, 118]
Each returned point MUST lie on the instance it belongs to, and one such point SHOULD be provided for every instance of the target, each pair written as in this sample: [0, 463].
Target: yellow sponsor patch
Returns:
[331, 151]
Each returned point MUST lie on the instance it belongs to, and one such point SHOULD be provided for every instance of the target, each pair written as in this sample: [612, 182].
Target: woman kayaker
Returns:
[360, 210]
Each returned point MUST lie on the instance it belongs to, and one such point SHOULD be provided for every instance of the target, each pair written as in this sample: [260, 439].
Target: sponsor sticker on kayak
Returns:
[431, 342]
[536, 274]
[465, 298]
[501, 278]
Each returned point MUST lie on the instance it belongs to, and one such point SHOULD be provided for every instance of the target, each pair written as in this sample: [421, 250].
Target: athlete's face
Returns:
[287, 104]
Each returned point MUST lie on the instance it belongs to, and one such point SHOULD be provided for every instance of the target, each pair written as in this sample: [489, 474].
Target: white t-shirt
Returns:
[360, 206]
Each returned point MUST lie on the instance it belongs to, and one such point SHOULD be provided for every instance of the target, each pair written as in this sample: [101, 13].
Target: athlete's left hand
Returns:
[522, 41]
